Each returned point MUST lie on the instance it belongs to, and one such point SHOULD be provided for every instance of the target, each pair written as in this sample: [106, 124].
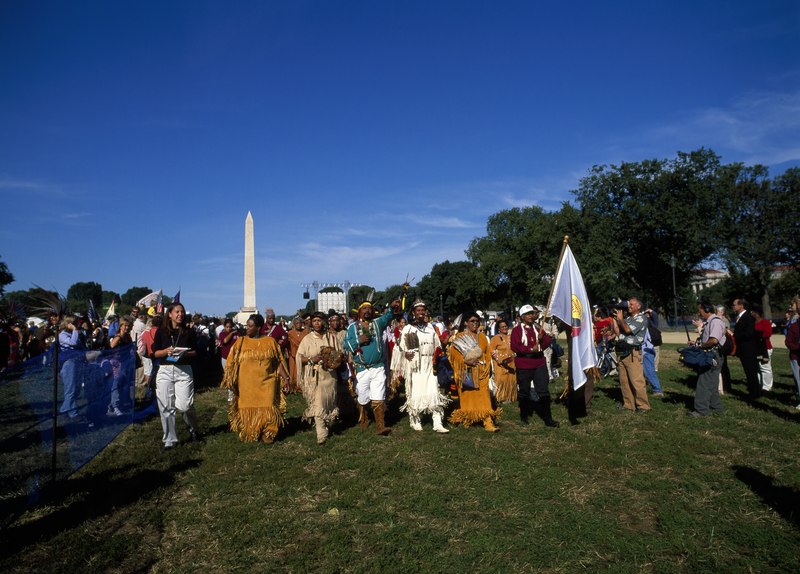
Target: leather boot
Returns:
[489, 426]
[379, 409]
[546, 413]
[415, 422]
[363, 417]
[437, 424]
[524, 410]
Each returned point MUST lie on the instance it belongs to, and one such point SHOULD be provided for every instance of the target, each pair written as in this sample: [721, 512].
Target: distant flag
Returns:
[177, 297]
[93, 316]
[570, 304]
[112, 309]
[160, 302]
[148, 300]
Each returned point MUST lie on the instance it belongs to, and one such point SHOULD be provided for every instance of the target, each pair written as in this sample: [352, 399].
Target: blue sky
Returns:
[370, 140]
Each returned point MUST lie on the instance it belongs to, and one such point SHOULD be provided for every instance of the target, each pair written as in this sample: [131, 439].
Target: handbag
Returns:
[697, 358]
[469, 383]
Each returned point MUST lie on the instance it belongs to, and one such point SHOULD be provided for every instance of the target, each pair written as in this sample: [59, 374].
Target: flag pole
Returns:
[552, 287]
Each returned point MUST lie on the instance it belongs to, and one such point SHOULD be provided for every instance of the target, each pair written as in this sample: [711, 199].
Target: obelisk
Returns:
[249, 306]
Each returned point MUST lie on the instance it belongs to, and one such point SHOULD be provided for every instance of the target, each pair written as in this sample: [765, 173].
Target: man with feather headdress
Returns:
[364, 342]
[417, 346]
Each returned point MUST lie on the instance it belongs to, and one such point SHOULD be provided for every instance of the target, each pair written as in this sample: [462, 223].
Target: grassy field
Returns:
[620, 492]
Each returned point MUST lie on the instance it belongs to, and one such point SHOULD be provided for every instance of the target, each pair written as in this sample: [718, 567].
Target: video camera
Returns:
[610, 308]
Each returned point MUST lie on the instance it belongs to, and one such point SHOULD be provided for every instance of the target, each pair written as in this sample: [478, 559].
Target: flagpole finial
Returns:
[566, 239]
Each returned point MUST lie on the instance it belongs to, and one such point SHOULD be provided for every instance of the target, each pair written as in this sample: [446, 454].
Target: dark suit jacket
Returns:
[745, 334]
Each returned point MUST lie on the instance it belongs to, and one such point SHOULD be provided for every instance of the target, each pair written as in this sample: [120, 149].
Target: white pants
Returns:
[371, 385]
[175, 390]
[765, 372]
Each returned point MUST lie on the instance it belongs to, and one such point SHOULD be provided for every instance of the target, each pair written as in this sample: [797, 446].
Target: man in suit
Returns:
[744, 333]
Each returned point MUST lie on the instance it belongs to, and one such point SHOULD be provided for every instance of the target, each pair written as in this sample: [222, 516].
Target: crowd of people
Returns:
[347, 368]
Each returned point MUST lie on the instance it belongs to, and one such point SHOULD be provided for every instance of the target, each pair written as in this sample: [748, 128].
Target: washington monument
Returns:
[249, 306]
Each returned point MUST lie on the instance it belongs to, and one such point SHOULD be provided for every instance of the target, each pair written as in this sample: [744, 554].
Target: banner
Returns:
[570, 304]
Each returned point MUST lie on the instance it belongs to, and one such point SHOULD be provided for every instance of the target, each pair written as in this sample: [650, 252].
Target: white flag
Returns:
[149, 300]
[570, 304]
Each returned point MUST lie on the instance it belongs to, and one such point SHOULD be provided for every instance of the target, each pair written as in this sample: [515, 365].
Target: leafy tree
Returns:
[519, 249]
[761, 217]
[6, 278]
[134, 294]
[79, 295]
[358, 294]
[649, 212]
[781, 291]
[108, 298]
[787, 191]
[458, 285]
[392, 292]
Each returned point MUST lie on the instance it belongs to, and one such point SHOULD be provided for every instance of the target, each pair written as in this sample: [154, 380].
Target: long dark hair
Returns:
[168, 320]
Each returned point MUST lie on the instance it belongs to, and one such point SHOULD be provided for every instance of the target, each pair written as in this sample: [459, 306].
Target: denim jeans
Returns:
[649, 363]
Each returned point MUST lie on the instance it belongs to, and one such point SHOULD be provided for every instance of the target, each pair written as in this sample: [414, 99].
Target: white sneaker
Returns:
[798, 407]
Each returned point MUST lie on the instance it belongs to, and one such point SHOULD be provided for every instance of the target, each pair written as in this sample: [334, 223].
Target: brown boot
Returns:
[363, 417]
[379, 408]
[488, 424]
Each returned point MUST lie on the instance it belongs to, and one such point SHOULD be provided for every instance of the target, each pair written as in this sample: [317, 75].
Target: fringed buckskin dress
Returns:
[256, 413]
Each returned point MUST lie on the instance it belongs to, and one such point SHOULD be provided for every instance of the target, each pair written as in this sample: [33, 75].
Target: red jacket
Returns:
[526, 358]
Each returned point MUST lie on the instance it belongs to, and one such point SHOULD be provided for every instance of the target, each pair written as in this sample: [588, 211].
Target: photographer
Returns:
[712, 337]
[630, 333]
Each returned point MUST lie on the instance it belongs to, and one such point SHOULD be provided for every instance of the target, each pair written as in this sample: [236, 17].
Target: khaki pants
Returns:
[631, 382]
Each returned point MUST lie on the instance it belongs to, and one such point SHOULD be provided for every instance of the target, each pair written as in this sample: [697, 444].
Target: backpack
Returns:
[655, 336]
[729, 348]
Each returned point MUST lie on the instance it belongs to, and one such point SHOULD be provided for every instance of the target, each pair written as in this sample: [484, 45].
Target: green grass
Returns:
[619, 492]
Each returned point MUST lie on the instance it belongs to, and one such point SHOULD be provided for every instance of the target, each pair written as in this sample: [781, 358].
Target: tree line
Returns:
[632, 227]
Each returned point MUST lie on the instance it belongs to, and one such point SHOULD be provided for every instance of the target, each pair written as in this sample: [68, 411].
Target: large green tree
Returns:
[649, 214]
[134, 294]
[519, 250]
[761, 223]
[79, 295]
[453, 287]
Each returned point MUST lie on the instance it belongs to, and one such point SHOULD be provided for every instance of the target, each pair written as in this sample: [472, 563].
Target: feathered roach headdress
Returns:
[50, 303]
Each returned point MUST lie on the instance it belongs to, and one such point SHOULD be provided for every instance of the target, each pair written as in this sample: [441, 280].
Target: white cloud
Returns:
[760, 127]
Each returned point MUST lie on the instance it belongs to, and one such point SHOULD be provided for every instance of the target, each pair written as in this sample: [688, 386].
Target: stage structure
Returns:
[336, 300]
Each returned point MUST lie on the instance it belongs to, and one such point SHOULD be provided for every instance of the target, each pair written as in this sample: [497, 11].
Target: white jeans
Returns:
[371, 385]
[765, 372]
[175, 390]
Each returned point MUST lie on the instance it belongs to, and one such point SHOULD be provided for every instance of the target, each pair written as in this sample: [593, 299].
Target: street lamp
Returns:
[674, 292]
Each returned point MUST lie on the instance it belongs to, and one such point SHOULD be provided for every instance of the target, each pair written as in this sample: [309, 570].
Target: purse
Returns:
[469, 383]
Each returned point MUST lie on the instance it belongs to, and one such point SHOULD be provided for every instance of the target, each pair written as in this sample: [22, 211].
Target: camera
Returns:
[621, 304]
[609, 309]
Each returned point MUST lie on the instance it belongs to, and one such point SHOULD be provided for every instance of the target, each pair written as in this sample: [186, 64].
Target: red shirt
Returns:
[599, 325]
[534, 336]
[764, 330]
